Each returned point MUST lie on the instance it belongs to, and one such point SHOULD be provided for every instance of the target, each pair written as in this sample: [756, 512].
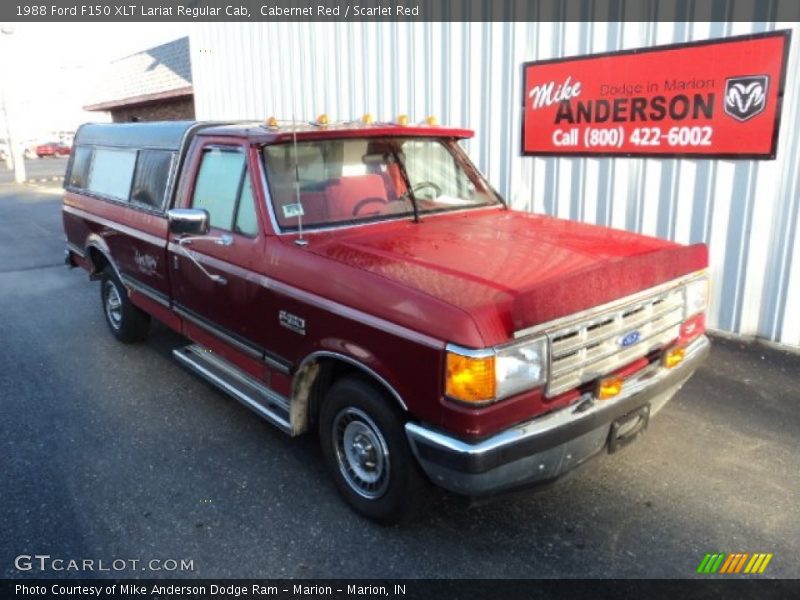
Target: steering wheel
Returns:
[366, 202]
[421, 186]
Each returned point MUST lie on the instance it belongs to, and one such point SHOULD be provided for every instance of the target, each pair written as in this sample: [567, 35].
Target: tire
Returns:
[365, 448]
[127, 322]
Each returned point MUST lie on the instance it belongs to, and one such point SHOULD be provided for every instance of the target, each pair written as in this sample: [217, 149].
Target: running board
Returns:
[235, 382]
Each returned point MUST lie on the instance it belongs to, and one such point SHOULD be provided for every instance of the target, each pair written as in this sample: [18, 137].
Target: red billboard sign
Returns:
[719, 98]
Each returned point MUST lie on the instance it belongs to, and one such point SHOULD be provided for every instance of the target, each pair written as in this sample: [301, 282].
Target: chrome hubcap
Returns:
[113, 305]
[361, 452]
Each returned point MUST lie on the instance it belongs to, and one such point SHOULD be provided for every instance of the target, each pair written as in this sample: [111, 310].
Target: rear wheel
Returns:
[127, 322]
[364, 444]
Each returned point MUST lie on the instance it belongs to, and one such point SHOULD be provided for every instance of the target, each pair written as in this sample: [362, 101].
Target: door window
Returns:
[223, 188]
[246, 219]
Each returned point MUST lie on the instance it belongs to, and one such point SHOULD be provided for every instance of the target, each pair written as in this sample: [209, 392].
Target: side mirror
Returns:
[189, 221]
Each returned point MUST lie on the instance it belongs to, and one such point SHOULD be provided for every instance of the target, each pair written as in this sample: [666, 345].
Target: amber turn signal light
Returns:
[674, 356]
[470, 379]
[609, 387]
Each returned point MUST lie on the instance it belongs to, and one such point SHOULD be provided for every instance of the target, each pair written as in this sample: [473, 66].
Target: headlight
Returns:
[481, 376]
[521, 367]
[697, 292]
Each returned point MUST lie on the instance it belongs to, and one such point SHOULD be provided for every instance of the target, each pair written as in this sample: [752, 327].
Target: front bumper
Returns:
[546, 447]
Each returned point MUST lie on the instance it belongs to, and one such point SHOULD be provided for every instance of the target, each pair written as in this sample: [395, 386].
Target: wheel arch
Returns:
[99, 255]
[315, 375]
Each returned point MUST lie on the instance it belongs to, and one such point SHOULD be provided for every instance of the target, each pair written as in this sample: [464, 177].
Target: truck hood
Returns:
[511, 270]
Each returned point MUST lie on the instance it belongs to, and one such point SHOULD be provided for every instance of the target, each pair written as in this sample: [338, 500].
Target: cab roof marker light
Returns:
[431, 121]
[402, 120]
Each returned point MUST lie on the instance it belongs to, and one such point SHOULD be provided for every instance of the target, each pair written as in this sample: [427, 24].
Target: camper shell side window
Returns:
[138, 177]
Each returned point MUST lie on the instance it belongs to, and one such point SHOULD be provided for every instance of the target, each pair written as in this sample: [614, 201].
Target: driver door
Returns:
[224, 305]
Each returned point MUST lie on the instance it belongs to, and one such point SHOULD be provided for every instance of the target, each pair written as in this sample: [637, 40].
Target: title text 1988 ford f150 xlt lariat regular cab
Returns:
[366, 281]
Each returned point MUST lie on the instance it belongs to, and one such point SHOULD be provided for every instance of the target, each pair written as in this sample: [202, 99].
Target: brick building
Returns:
[152, 85]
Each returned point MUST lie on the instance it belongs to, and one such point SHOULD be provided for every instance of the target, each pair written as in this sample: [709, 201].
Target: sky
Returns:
[47, 69]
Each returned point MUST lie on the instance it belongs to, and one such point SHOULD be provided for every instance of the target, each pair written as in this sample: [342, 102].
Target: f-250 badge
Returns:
[745, 97]
[292, 322]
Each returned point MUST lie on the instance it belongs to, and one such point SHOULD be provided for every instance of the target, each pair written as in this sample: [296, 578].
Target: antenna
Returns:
[300, 241]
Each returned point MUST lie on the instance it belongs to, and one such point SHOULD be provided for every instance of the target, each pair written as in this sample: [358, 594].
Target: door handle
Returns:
[225, 239]
[212, 276]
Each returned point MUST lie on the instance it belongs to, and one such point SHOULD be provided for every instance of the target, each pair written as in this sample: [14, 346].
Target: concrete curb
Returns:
[39, 180]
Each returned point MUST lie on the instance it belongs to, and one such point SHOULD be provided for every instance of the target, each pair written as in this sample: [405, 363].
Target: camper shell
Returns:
[167, 139]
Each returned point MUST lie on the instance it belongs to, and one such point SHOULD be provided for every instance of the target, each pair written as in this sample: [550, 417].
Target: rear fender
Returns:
[96, 244]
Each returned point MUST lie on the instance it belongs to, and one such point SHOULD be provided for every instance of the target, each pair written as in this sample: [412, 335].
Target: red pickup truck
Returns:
[364, 280]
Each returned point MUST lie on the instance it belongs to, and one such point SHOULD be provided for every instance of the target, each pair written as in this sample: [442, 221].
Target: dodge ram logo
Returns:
[745, 97]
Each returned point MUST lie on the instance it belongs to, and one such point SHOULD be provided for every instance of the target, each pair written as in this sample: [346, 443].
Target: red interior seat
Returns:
[398, 184]
[345, 193]
[315, 207]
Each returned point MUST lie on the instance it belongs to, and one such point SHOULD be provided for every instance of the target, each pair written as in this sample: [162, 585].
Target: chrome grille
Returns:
[592, 347]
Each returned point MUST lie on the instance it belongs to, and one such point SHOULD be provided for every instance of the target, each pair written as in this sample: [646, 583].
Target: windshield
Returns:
[360, 179]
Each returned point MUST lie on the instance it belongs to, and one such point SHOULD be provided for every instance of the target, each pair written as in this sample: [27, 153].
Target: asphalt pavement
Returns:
[40, 170]
[115, 452]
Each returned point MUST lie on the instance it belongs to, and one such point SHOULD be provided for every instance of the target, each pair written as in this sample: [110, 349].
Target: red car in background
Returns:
[54, 149]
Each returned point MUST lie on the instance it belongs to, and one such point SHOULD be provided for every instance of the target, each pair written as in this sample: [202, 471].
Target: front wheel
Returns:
[364, 444]
[127, 322]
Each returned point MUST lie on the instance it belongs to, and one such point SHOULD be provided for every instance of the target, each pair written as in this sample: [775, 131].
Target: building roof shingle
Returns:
[156, 73]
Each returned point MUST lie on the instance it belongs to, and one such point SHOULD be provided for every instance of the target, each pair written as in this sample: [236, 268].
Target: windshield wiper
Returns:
[409, 188]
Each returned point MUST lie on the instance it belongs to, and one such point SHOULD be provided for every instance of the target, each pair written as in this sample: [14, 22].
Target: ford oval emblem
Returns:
[630, 339]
